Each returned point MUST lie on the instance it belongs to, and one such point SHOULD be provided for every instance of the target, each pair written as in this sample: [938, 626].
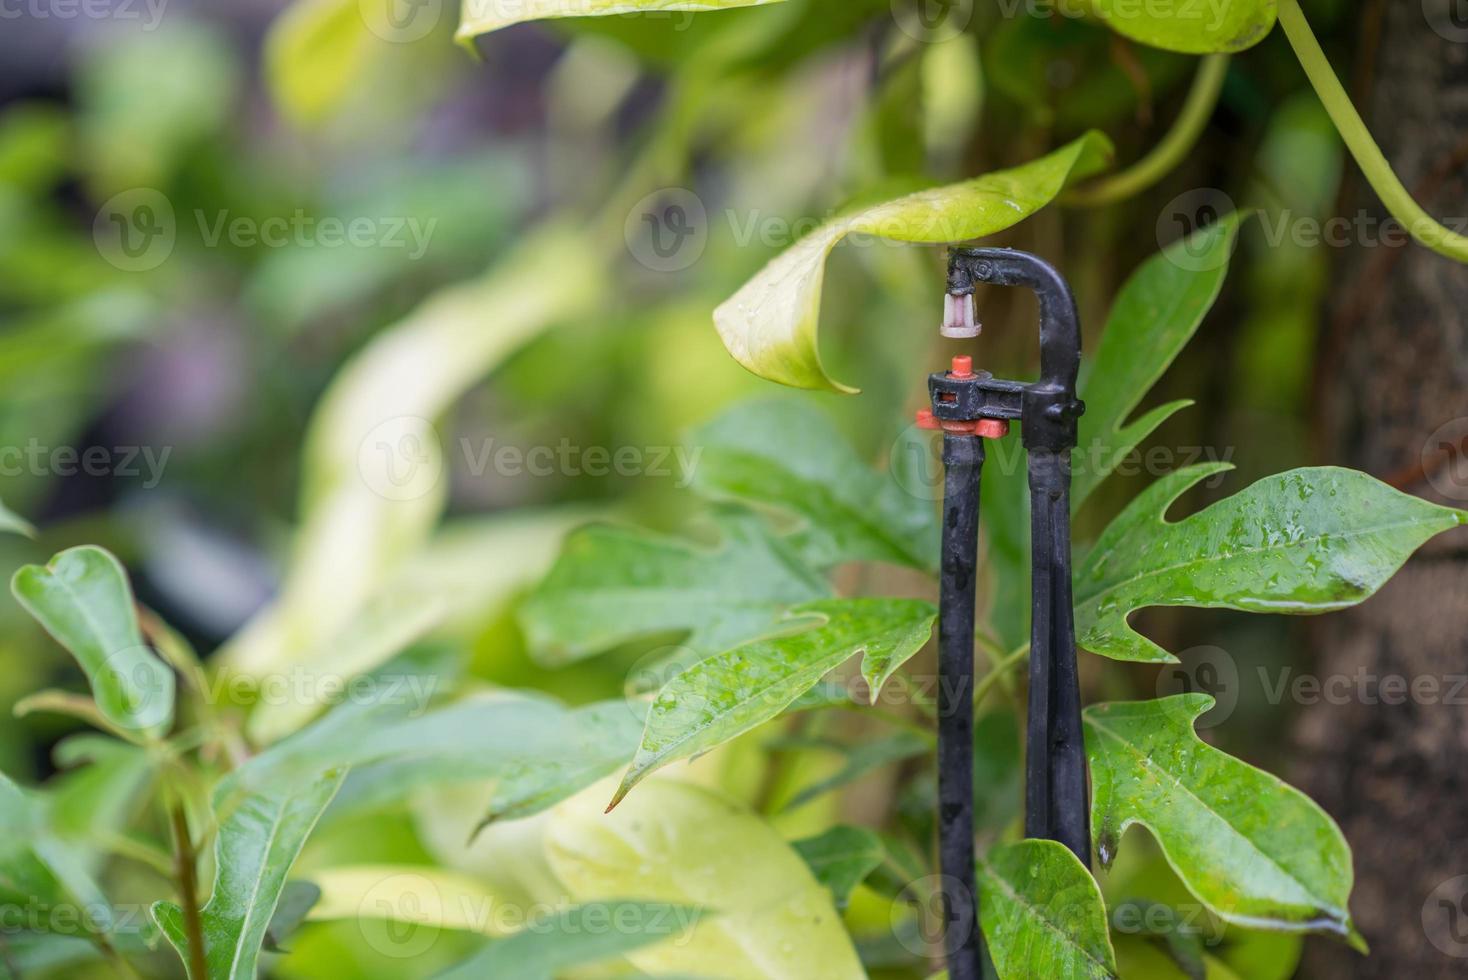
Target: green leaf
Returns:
[83, 599]
[724, 696]
[535, 751]
[296, 901]
[1306, 541]
[612, 585]
[786, 454]
[1192, 28]
[482, 16]
[860, 760]
[841, 858]
[581, 935]
[1257, 852]
[681, 844]
[39, 872]
[769, 325]
[1042, 913]
[13, 523]
[258, 840]
[1155, 314]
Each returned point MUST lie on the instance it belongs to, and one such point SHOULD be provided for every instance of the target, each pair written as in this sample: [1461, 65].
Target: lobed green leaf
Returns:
[1306, 541]
[785, 454]
[1256, 851]
[611, 585]
[726, 695]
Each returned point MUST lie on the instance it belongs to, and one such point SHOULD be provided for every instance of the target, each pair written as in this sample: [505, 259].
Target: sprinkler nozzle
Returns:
[960, 320]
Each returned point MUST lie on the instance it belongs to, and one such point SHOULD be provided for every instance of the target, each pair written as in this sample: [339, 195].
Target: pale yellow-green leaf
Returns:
[314, 54]
[482, 16]
[769, 325]
[672, 842]
[421, 895]
[375, 467]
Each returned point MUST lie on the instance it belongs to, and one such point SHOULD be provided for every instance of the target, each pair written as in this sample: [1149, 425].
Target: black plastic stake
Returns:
[969, 407]
[963, 461]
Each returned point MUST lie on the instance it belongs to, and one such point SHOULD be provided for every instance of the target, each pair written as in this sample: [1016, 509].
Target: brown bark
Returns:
[1395, 371]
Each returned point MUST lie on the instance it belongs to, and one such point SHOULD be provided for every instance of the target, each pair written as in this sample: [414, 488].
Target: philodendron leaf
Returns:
[1257, 852]
[786, 454]
[482, 16]
[769, 919]
[1306, 541]
[258, 840]
[577, 936]
[1203, 27]
[612, 585]
[769, 325]
[1155, 314]
[1042, 913]
[726, 695]
[841, 858]
[83, 599]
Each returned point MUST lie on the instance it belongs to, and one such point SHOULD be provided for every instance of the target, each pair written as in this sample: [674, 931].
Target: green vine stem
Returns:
[1419, 224]
[1171, 150]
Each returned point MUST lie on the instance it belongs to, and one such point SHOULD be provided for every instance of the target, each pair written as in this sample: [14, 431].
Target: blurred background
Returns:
[207, 209]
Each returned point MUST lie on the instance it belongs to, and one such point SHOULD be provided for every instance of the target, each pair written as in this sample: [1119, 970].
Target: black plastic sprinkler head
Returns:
[970, 406]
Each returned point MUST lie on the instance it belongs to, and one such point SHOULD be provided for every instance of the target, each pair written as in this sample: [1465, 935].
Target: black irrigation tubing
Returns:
[969, 407]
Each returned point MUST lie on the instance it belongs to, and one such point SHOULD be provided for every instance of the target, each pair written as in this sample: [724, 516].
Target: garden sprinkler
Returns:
[970, 406]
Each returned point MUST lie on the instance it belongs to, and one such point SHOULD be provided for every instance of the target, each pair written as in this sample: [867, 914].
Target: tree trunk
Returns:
[1395, 373]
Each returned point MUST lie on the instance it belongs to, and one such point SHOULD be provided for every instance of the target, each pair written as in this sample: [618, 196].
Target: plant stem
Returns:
[186, 868]
[1001, 669]
[1373, 163]
[1173, 147]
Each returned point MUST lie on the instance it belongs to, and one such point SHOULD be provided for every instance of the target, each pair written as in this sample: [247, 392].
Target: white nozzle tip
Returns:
[960, 320]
